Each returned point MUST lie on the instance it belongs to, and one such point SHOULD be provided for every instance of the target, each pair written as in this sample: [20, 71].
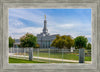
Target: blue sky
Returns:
[72, 22]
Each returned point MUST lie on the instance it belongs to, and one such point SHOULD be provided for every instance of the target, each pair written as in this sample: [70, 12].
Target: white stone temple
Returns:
[44, 39]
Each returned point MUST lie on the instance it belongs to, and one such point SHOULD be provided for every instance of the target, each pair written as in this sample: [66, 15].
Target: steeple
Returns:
[45, 17]
[45, 30]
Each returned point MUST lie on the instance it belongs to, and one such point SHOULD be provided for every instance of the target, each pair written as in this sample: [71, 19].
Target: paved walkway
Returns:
[45, 58]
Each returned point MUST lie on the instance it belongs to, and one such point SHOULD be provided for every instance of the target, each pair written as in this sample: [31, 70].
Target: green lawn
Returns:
[70, 56]
[15, 60]
[19, 60]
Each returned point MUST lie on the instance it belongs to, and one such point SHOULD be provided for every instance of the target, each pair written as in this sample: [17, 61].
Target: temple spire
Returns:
[45, 30]
[45, 17]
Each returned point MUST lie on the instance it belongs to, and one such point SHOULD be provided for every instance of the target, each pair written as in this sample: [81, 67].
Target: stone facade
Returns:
[44, 39]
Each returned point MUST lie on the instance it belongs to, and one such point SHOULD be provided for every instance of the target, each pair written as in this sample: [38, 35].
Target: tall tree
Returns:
[62, 42]
[11, 42]
[28, 40]
[81, 42]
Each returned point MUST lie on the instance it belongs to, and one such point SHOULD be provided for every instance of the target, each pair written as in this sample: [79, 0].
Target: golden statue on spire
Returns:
[45, 17]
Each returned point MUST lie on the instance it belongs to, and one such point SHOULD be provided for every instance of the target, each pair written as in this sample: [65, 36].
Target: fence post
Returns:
[24, 53]
[13, 49]
[10, 49]
[62, 55]
[38, 54]
[17, 52]
[49, 55]
[30, 54]
[81, 55]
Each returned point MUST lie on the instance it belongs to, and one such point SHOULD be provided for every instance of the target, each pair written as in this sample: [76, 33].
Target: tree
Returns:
[88, 46]
[55, 42]
[28, 40]
[59, 42]
[80, 42]
[11, 42]
[70, 42]
[62, 42]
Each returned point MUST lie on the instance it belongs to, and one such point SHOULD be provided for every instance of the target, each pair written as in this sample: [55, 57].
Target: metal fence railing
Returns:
[50, 55]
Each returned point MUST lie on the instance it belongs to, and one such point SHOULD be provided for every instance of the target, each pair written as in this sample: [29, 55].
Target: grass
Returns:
[20, 60]
[15, 60]
[69, 56]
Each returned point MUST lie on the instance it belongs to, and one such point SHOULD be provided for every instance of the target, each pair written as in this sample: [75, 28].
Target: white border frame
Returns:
[6, 65]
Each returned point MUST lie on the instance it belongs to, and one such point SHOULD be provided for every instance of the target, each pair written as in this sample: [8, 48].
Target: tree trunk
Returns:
[81, 55]
[30, 54]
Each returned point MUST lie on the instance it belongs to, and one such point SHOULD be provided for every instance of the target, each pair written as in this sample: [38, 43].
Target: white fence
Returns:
[48, 55]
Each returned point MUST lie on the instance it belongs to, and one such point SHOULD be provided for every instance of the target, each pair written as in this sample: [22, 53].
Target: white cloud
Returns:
[17, 33]
[66, 25]
[27, 15]
[88, 36]
[15, 23]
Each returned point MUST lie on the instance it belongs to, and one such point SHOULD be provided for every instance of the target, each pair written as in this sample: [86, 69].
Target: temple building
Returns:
[44, 39]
